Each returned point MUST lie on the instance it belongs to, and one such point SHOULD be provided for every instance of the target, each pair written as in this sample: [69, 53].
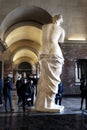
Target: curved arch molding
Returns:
[21, 30]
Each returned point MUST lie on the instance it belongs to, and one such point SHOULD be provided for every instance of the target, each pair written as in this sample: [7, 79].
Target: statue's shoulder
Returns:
[47, 25]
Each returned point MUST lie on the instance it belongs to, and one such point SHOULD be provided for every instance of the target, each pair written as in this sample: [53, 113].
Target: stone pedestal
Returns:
[54, 109]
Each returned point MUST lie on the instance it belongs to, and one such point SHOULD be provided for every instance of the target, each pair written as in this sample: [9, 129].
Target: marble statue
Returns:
[51, 60]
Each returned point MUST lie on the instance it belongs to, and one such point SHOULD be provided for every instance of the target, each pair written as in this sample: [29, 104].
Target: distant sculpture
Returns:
[51, 60]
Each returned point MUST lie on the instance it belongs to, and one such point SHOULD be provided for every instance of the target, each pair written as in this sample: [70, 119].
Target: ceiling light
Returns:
[77, 39]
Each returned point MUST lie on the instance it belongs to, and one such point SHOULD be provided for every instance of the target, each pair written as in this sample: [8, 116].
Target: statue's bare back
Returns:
[52, 36]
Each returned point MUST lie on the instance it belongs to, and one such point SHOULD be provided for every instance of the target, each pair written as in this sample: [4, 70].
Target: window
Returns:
[80, 69]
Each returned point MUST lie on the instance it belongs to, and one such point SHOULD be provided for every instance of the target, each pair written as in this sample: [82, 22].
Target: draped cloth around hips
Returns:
[51, 69]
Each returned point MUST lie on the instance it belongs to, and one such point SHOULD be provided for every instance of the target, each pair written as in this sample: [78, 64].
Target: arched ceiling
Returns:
[24, 14]
[22, 44]
[24, 54]
[24, 32]
[21, 31]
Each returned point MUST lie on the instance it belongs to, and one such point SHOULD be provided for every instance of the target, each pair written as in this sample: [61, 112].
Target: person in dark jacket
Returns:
[32, 92]
[83, 89]
[18, 87]
[1, 87]
[59, 94]
[7, 91]
[22, 93]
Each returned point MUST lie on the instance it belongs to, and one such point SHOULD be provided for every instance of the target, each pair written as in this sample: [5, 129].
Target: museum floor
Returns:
[71, 118]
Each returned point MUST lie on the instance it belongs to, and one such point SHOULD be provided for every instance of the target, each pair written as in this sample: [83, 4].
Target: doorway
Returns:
[80, 70]
[24, 67]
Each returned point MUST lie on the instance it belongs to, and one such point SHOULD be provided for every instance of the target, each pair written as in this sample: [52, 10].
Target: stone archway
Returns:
[24, 67]
[21, 31]
[22, 15]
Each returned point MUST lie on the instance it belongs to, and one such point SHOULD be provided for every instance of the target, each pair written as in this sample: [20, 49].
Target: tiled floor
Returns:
[71, 118]
[71, 105]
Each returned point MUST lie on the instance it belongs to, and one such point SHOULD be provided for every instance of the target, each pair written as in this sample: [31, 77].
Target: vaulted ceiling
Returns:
[21, 31]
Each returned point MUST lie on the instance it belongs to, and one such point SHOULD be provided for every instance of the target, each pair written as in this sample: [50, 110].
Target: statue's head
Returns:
[57, 18]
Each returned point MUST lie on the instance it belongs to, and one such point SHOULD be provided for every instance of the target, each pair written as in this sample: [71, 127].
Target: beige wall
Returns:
[74, 13]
